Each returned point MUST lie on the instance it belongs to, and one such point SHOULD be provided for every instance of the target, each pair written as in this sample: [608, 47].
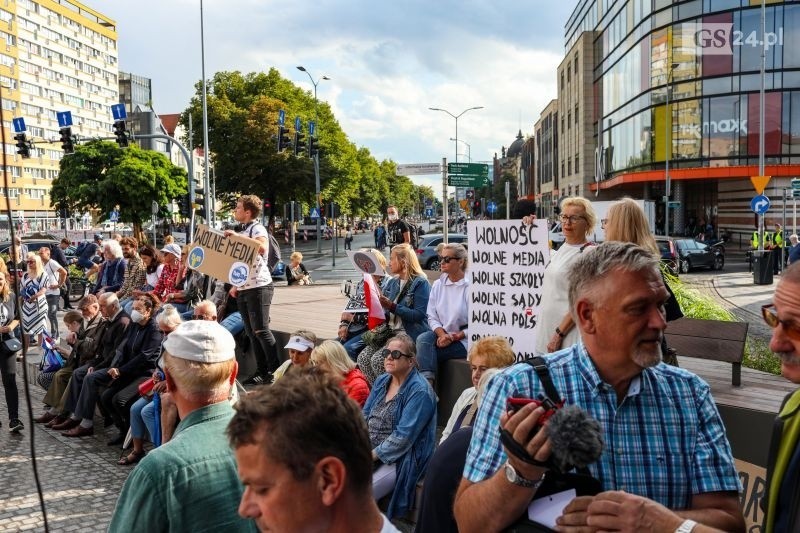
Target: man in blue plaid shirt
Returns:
[664, 439]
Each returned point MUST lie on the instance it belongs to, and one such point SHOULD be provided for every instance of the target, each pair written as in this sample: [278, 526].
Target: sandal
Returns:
[132, 458]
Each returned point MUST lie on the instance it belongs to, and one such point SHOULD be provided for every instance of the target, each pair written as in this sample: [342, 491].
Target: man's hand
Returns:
[443, 341]
[233, 292]
[574, 517]
[520, 425]
[89, 370]
[555, 343]
[72, 337]
[228, 232]
[160, 387]
[113, 372]
[620, 511]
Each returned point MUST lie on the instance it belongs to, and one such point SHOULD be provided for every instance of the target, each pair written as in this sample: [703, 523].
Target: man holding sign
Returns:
[254, 297]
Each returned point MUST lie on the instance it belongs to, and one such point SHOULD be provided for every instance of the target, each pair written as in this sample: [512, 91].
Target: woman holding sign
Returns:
[448, 313]
[555, 328]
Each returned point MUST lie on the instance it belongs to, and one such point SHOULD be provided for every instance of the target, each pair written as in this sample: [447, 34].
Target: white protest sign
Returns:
[506, 269]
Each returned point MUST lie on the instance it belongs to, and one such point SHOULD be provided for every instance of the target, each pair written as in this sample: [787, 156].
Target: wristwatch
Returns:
[686, 527]
[517, 479]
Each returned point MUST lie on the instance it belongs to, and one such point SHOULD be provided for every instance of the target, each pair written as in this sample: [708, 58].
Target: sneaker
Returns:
[259, 379]
[15, 426]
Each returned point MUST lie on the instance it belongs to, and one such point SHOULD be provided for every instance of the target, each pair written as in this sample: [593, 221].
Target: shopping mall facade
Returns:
[680, 81]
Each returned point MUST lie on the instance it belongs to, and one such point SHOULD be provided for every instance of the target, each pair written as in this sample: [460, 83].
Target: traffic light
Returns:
[313, 146]
[199, 199]
[67, 143]
[23, 148]
[476, 207]
[299, 143]
[283, 139]
[185, 206]
[333, 210]
[63, 213]
[120, 133]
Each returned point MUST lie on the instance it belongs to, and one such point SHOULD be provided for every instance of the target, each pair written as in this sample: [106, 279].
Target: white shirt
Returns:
[466, 398]
[51, 268]
[555, 296]
[448, 306]
[260, 275]
[152, 277]
[388, 527]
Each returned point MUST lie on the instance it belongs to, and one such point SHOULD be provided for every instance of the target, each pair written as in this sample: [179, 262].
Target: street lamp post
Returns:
[316, 157]
[667, 149]
[456, 117]
[469, 148]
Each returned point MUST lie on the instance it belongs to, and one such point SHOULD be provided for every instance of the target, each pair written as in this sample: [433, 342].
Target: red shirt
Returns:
[166, 282]
[356, 386]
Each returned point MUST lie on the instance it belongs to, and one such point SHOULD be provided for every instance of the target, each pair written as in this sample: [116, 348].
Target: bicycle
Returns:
[79, 287]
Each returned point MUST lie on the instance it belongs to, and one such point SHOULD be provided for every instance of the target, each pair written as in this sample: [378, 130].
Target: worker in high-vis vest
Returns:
[754, 240]
[777, 249]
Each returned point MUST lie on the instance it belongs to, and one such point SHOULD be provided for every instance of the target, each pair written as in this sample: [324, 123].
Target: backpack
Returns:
[413, 232]
[274, 252]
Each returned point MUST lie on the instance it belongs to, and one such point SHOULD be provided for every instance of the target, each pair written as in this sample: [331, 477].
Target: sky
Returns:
[388, 63]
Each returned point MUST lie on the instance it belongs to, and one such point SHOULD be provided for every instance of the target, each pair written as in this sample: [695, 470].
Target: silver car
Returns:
[426, 248]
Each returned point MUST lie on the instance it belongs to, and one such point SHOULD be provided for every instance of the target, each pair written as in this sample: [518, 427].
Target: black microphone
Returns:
[575, 437]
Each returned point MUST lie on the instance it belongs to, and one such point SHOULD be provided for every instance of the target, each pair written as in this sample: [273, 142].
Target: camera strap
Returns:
[540, 367]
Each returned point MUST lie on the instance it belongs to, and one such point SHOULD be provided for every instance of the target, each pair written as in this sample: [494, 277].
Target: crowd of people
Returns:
[154, 348]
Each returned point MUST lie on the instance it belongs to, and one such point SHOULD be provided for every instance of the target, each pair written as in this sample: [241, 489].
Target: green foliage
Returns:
[694, 304]
[101, 175]
[242, 125]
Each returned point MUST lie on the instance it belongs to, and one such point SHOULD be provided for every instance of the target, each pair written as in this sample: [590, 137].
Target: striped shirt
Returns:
[664, 441]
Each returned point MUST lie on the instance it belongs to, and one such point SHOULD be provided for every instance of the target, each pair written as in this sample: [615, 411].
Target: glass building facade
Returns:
[681, 80]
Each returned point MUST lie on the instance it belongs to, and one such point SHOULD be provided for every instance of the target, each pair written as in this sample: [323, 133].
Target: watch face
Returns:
[511, 474]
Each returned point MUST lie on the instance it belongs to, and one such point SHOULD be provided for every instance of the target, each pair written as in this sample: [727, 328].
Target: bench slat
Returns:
[718, 329]
[707, 348]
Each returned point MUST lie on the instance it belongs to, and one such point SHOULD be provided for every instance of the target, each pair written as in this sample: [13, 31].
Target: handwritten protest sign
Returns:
[754, 484]
[229, 258]
[506, 269]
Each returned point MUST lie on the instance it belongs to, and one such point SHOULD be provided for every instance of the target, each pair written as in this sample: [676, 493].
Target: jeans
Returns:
[138, 425]
[233, 323]
[429, 355]
[354, 346]
[254, 307]
[52, 309]
[126, 304]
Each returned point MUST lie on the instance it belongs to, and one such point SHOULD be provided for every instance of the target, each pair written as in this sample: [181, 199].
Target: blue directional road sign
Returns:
[113, 216]
[118, 112]
[429, 212]
[314, 213]
[281, 117]
[64, 119]
[19, 124]
[312, 128]
[759, 204]
[298, 124]
[491, 207]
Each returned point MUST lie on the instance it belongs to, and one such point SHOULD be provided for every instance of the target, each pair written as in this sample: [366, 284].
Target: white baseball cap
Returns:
[301, 344]
[173, 249]
[202, 341]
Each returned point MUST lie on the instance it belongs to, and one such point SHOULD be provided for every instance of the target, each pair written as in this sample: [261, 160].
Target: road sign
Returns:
[491, 207]
[467, 180]
[118, 112]
[64, 119]
[795, 183]
[429, 212]
[113, 216]
[298, 124]
[760, 182]
[314, 213]
[19, 125]
[281, 117]
[418, 169]
[312, 128]
[477, 169]
[795, 193]
[470, 194]
[154, 207]
[674, 204]
[759, 204]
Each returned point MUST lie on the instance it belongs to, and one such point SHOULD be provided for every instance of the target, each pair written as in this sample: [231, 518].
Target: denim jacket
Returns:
[413, 308]
[411, 444]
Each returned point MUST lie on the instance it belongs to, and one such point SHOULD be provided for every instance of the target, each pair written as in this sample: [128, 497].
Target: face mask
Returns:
[392, 218]
[136, 316]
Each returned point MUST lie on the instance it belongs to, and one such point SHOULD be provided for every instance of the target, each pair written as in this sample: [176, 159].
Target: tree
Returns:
[100, 175]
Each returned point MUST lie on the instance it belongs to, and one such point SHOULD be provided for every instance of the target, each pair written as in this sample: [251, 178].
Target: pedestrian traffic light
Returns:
[23, 148]
[313, 146]
[67, 143]
[283, 139]
[267, 206]
[185, 206]
[476, 207]
[299, 143]
[199, 199]
[120, 133]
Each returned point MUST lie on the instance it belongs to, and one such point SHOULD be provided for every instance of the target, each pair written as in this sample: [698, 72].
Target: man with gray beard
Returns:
[664, 438]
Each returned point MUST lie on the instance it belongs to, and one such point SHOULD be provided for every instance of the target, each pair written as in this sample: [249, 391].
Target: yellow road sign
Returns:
[760, 183]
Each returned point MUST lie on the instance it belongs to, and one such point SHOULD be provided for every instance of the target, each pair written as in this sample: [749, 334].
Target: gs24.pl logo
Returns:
[720, 38]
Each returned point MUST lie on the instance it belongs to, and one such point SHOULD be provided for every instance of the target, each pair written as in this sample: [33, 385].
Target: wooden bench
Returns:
[710, 339]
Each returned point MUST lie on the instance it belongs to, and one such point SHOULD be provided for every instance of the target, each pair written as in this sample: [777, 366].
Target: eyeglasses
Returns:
[447, 258]
[31, 262]
[394, 354]
[203, 317]
[572, 219]
[770, 316]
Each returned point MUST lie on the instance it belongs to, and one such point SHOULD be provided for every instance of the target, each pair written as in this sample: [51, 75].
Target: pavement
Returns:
[81, 480]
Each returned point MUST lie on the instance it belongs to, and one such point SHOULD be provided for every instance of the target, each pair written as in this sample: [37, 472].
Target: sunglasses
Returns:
[31, 262]
[770, 315]
[446, 259]
[572, 219]
[394, 354]
[203, 317]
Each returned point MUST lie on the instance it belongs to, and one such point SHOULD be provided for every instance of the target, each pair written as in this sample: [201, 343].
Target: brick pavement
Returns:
[80, 478]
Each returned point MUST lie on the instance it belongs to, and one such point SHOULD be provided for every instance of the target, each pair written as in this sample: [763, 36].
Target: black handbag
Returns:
[12, 344]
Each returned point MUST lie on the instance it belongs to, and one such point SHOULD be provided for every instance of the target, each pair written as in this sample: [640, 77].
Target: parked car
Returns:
[426, 248]
[669, 255]
[691, 254]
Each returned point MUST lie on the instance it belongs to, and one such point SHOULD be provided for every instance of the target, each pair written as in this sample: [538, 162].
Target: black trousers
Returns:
[118, 398]
[8, 370]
